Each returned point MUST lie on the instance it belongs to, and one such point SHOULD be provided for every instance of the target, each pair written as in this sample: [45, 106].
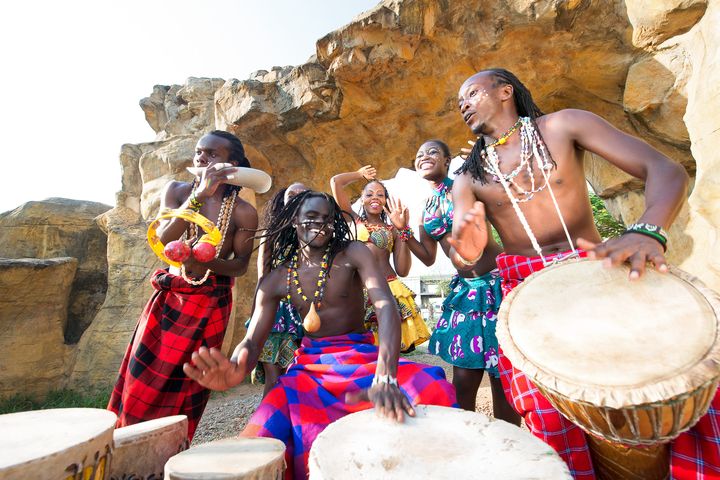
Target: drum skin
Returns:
[439, 442]
[230, 459]
[56, 444]
[634, 364]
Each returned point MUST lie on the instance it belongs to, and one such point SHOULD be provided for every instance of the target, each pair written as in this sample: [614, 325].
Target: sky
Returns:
[74, 72]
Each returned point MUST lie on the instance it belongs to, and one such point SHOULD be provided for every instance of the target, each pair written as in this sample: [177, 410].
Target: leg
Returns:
[501, 408]
[272, 372]
[466, 382]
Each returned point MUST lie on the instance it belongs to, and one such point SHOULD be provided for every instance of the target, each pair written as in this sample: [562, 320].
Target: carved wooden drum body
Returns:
[635, 363]
[56, 444]
[440, 443]
[141, 450]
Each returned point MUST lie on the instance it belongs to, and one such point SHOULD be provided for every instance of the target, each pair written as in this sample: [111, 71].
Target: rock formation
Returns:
[388, 80]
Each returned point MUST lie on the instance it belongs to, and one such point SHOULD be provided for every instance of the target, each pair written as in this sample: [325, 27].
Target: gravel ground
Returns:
[227, 413]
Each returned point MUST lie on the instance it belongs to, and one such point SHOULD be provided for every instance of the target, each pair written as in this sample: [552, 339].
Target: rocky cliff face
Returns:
[387, 81]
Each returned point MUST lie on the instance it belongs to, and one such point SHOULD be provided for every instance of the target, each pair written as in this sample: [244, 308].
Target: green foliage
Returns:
[444, 287]
[64, 398]
[605, 223]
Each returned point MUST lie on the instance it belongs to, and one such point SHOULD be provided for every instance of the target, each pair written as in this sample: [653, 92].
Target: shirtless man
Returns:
[337, 369]
[190, 305]
[502, 165]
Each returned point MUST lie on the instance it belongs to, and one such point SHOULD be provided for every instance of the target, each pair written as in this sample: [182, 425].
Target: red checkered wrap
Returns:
[178, 319]
[311, 395]
[543, 420]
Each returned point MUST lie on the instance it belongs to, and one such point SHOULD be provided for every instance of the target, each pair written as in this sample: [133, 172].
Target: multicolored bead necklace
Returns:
[504, 137]
[293, 279]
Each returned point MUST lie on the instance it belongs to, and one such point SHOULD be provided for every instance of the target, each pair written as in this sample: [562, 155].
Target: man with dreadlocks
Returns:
[525, 173]
[337, 370]
[190, 306]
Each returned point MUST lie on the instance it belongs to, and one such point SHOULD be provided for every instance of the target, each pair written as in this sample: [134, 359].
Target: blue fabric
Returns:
[438, 214]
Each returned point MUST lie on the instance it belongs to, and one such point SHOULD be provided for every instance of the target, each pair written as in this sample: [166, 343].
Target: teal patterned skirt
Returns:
[465, 334]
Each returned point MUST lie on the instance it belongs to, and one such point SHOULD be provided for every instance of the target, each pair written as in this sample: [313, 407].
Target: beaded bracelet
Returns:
[649, 230]
[386, 379]
[195, 204]
[467, 263]
[406, 233]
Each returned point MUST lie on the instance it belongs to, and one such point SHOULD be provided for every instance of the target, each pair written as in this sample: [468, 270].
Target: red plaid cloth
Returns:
[695, 454]
[178, 319]
[543, 420]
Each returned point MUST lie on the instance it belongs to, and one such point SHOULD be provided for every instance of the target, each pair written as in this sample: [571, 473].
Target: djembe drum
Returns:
[56, 444]
[230, 459]
[439, 442]
[141, 450]
[632, 363]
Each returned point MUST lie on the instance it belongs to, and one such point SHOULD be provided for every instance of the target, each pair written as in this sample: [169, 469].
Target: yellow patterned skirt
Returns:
[413, 330]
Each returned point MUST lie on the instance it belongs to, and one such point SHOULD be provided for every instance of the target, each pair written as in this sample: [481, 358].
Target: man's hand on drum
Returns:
[633, 248]
[388, 400]
[212, 177]
[211, 369]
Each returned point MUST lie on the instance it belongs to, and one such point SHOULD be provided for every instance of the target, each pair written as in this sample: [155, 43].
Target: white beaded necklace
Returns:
[531, 147]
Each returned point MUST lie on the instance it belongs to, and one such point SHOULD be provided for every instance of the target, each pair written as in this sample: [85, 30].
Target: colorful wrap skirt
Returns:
[465, 334]
[413, 330]
[311, 395]
[284, 339]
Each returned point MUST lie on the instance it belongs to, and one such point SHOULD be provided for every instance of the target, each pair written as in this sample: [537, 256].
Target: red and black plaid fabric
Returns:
[178, 319]
[695, 454]
[543, 420]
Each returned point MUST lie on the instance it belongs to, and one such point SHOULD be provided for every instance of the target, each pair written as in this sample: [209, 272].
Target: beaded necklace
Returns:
[531, 147]
[223, 222]
[311, 322]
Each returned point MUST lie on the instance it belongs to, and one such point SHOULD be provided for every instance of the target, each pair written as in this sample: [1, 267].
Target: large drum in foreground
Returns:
[57, 444]
[439, 443]
[142, 449]
[230, 459]
[632, 362]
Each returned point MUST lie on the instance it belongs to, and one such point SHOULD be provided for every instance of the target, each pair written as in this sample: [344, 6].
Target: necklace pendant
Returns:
[311, 322]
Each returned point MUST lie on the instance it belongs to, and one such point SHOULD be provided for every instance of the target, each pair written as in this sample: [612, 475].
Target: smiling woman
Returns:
[207, 39]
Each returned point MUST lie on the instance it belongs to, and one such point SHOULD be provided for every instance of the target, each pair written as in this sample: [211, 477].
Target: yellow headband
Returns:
[213, 235]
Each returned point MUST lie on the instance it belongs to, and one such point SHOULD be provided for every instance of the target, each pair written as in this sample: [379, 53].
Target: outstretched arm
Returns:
[399, 216]
[342, 180]
[470, 229]
[389, 401]
[665, 186]
[211, 369]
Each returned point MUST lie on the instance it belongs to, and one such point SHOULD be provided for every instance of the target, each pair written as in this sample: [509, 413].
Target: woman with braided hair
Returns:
[337, 370]
[382, 225]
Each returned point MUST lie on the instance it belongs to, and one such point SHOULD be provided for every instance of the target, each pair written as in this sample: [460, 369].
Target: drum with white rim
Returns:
[438, 443]
[141, 450]
[56, 444]
[632, 362]
[230, 459]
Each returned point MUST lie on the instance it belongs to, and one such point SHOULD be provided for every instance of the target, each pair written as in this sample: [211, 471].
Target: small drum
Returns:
[230, 459]
[439, 443]
[63, 443]
[141, 450]
[631, 362]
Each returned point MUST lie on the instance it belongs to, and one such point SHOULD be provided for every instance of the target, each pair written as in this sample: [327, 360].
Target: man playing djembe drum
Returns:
[525, 175]
[338, 370]
[190, 306]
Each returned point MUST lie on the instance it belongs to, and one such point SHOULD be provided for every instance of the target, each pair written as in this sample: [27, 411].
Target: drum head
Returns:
[590, 334]
[232, 458]
[439, 443]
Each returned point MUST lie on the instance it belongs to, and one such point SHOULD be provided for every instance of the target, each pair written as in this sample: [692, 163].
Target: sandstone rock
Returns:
[33, 312]
[655, 21]
[59, 227]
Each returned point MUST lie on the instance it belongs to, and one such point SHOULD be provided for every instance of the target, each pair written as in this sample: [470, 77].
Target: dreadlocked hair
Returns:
[525, 106]
[237, 151]
[363, 213]
[273, 207]
[281, 236]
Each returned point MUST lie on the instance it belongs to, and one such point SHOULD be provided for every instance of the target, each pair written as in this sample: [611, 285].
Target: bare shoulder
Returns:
[175, 193]
[356, 253]
[275, 281]
[245, 214]
[569, 121]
